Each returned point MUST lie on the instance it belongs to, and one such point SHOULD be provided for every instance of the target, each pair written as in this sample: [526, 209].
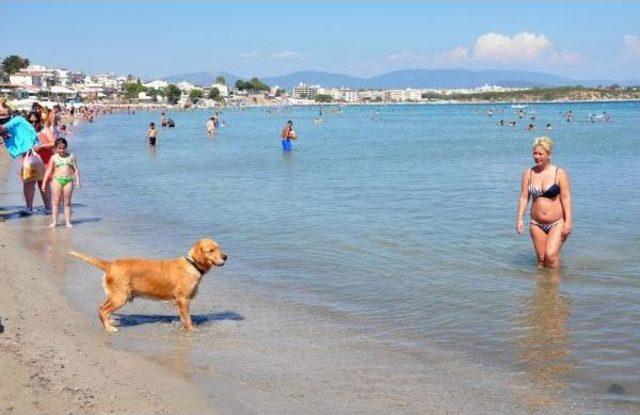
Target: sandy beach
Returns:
[53, 362]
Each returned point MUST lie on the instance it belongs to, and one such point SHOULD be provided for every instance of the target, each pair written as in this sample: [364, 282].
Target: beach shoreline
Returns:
[281, 359]
[53, 361]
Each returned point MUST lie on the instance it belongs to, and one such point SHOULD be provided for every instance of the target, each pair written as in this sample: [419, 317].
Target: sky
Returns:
[153, 39]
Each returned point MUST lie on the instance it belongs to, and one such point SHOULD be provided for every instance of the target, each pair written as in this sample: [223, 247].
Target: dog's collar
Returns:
[193, 263]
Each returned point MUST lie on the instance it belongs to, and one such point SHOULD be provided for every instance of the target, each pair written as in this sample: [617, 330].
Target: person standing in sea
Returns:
[551, 211]
[211, 126]
[287, 135]
[152, 134]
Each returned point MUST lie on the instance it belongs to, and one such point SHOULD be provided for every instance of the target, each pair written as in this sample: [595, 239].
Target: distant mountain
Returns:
[464, 78]
[408, 78]
[316, 78]
[203, 79]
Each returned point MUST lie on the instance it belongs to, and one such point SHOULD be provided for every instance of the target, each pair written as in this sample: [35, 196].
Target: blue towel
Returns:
[22, 136]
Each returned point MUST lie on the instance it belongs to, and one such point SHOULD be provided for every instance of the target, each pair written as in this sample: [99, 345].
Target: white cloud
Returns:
[290, 55]
[248, 55]
[631, 46]
[524, 46]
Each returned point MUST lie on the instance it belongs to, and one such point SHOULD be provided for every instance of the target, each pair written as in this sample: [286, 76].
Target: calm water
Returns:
[375, 248]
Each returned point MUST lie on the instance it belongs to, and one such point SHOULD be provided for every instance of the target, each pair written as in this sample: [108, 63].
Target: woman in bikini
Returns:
[551, 214]
[64, 169]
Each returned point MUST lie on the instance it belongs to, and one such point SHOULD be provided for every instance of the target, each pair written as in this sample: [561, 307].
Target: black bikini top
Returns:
[551, 192]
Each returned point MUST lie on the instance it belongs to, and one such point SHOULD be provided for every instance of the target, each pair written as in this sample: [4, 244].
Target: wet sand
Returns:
[52, 361]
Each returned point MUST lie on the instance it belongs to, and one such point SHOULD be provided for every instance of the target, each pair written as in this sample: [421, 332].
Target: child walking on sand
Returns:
[63, 167]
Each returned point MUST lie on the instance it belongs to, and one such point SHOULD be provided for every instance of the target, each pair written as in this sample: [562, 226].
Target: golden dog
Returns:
[174, 279]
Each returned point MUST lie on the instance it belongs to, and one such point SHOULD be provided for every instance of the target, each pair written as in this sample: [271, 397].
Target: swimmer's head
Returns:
[544, 143]
[152, 124]
[289, 122]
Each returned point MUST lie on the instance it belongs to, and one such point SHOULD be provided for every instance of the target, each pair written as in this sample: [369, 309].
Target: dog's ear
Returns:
[197, 253]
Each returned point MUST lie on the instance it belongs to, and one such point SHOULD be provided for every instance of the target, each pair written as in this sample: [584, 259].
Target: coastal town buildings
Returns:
[61, 84]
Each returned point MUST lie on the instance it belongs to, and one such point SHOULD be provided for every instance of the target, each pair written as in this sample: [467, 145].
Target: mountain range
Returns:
[408, 78]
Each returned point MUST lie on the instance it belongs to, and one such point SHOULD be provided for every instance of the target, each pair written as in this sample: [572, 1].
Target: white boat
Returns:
[519, 106]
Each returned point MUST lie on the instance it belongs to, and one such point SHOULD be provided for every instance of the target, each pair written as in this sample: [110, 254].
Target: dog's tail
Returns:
[97, 262]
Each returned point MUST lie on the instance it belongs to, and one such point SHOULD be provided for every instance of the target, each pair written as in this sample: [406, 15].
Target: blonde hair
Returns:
[545, 142]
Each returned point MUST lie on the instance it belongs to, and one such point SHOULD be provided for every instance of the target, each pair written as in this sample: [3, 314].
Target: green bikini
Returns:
[64, 161]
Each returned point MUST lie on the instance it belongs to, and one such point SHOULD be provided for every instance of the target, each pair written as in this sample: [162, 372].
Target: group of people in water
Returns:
[544, 185]
[568, 116]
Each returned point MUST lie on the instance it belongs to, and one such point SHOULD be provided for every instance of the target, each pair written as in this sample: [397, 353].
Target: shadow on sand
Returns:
[129, 320]
[18, 212]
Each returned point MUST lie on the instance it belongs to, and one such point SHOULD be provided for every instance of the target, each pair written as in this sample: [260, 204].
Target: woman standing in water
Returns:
[551, 213]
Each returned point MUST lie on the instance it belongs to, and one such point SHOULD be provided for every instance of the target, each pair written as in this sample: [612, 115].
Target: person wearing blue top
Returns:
[19, 136]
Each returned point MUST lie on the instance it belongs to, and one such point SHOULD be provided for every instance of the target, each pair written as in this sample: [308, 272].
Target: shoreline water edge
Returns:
[51, 360]
[55, 359]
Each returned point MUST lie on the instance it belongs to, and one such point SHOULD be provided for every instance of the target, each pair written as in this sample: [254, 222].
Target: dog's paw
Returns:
[110, 329]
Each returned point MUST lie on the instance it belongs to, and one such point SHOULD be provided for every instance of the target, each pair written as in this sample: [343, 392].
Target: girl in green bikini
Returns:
[63, 167]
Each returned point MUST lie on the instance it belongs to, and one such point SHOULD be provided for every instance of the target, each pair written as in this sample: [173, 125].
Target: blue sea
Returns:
[376, 267]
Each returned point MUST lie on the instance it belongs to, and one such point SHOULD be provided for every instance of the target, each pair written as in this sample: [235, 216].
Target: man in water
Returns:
[287, 135]
[152, 134]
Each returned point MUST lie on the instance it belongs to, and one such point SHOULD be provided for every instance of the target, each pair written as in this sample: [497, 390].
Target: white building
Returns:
[305, 91]
[34, 76]
[158, 84]
[371, 95]
[62, 76]
[411, 95]
[349, 95]
[108, 80]
[224, 89]
[394, 95]
[143, 97]
[185, 86]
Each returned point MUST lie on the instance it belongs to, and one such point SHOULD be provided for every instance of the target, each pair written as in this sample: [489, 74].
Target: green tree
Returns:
[258, 85]
[280, 92]
[214, 93]
[221, 80]
[132, 89]
[172, 93]
[14, 63]
[241, 85]
[195, 94]
[154, 93]
[324, 98]
[254, 85]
